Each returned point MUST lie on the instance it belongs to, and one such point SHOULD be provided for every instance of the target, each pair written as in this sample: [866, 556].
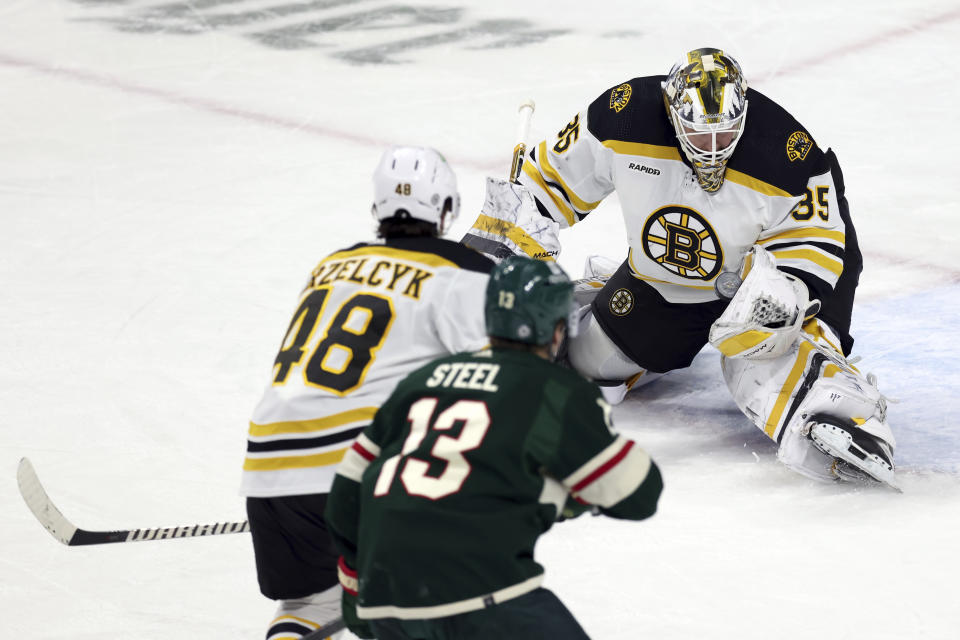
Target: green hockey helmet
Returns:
[526, 298]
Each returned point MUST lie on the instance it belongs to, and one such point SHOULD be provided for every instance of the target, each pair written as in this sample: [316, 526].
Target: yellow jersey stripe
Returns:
[324, 459]
[428, 259]
[363, 414]
[807, 232]
[760, 186]
[558, 202]
[517, 235]
[547, 169]
[770, 428]
[639, 276]
[831, 263]
[640, 149]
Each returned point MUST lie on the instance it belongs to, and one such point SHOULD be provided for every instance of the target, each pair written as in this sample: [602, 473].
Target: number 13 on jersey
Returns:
[475, 418]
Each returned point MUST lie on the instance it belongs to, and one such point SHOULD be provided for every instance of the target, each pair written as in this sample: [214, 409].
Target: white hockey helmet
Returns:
[706, 99]
[415, 182]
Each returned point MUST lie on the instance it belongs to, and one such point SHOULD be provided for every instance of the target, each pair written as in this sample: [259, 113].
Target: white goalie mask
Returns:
[706, 99]
[415, 182]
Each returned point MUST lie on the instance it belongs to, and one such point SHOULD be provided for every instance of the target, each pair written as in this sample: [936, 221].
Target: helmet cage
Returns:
[705, 96]
[709, 163]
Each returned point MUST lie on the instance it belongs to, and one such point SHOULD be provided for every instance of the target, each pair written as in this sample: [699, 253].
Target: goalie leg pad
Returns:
[596, 272]
[787, 397]
[595, 356]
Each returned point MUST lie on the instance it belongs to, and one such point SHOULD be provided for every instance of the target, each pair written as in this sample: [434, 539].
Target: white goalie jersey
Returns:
[779, 192]
[369, 315]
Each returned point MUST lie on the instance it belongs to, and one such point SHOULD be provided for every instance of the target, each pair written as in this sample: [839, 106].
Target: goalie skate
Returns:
[859, 456]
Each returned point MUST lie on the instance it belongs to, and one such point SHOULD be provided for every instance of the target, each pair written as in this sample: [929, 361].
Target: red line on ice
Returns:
[211, 106]
[857, 46]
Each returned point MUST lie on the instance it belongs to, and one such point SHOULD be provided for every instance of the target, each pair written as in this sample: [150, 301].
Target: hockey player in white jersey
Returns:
[716, 183]
[368, 316]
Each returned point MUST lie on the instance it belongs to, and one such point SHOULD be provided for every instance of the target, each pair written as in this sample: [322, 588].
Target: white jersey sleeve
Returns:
[811, 237]
[571, 175]
[458, 317]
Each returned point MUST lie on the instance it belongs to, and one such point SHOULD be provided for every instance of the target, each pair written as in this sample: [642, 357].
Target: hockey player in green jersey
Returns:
[437, 506]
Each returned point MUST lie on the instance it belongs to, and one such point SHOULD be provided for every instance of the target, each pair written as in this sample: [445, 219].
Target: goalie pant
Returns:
[780, 395]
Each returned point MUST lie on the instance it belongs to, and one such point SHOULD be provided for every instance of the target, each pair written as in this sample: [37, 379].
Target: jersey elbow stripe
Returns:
[354, 464]
[805, 258]
[366, 447]
[553, 175]
[618, 480]
[362, 452]
[611, 475]
[559, 205]
[812, 234]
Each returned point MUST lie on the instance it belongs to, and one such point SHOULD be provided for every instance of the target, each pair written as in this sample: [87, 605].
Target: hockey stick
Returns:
[326, 631]
[69, 534]
[489, 234]
[523, 127]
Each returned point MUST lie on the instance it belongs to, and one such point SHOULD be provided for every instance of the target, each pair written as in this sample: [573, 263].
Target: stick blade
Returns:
[39, 503]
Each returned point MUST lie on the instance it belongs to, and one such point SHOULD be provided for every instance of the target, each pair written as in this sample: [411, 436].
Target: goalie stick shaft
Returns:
[69, 534]
[327, 630]
[520, 148]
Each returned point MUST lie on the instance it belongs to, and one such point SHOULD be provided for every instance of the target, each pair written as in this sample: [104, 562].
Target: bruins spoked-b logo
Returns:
[798, 145]
[620, 96]
[621, 302]
[681, 241]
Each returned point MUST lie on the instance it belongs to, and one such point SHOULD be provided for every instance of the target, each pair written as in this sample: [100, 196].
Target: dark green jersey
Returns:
[441, 500]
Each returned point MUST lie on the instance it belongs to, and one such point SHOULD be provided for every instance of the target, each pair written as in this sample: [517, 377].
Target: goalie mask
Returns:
[706, 99]
[417, 183]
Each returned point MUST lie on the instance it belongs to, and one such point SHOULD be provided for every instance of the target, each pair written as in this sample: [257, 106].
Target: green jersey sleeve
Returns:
[597, 465]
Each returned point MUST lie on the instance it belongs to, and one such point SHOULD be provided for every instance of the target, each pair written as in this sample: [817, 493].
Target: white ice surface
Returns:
[165, 191]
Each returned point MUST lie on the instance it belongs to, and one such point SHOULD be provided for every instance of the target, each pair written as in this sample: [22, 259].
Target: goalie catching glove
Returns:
[766, 314]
